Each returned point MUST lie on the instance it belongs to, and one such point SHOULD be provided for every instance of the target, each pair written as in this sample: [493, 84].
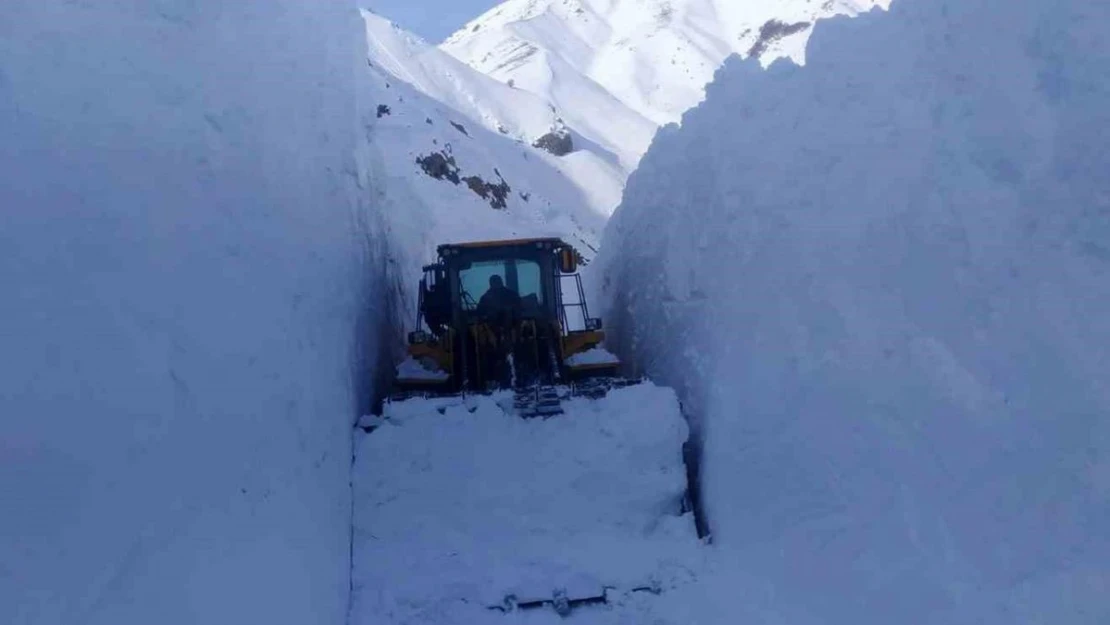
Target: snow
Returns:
[412, 369]
[880, 284]
[459, 502]
[191, 308]
[593, 356]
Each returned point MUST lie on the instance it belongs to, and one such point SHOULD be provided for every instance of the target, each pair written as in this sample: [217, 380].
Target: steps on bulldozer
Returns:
[546, 400]
[540, 401]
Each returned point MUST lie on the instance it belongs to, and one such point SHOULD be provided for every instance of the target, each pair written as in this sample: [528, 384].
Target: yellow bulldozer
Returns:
[508, 314]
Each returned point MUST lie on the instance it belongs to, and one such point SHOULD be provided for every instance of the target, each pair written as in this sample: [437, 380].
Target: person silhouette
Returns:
[499, 309]
[499, 300]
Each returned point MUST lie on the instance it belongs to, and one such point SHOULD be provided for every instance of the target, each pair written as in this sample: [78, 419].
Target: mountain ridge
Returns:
[653, 56]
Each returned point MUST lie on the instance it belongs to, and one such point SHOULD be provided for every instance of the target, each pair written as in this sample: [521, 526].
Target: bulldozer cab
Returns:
[511, 284]
[494, 314]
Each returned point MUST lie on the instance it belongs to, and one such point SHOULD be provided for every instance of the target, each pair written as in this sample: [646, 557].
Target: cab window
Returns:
[521, 276]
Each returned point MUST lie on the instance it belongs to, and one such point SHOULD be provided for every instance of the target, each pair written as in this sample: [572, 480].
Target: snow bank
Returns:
[454, 510]
[189, 281]
[889, 272]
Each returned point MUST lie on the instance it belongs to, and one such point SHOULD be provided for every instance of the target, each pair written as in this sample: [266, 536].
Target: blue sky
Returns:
[433, 20]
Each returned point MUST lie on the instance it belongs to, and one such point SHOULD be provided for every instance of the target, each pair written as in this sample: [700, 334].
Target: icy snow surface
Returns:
[889, 275]
[455, 511]
[189, 310]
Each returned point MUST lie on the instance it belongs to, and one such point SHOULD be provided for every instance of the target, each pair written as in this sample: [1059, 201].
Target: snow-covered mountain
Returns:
[618, 69]
[462, 155]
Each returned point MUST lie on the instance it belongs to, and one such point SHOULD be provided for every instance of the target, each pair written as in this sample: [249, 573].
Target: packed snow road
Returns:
[460, 504]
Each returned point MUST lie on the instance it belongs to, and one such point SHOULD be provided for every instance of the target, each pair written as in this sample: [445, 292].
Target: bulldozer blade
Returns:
[560, 601]
[564, 602]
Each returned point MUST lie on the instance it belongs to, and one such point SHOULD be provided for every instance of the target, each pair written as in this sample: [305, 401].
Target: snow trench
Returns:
[888, 322]
[880, 285]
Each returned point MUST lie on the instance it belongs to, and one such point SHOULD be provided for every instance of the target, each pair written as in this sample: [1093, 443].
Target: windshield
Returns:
[519, 276]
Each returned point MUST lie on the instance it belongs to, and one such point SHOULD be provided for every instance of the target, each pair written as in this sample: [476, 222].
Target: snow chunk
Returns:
[594, 356]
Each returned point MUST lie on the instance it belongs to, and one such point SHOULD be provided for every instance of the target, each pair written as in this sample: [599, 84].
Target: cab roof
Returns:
[552, 242]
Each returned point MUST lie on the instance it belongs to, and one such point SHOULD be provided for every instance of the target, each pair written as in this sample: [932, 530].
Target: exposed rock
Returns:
[460, 128]
[383, 109]
[497, 194]
[771, 32]
[442, 166]
[439, 166]
[558, 142]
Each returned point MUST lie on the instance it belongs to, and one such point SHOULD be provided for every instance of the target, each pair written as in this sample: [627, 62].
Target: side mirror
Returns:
[568, 260]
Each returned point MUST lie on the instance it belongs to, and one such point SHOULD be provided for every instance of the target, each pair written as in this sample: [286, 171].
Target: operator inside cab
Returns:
[499, 301]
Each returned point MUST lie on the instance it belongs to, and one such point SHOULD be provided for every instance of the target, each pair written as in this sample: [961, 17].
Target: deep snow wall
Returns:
[881, 284]
[189, 272]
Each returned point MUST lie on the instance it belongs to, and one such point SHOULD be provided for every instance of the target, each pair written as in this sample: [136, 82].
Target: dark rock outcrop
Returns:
[558, 142]
[771, 32]
[497, 194]
[440, 166]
